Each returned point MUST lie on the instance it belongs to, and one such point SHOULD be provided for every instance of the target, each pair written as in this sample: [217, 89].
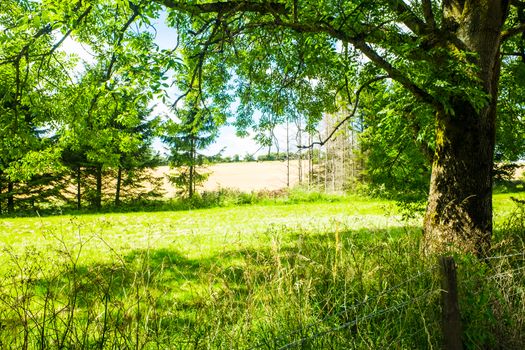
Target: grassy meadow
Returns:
[342, 272]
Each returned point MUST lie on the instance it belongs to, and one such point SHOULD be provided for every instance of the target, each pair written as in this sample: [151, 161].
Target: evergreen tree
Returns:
[197, 123]
[110, 133]
[194, 131]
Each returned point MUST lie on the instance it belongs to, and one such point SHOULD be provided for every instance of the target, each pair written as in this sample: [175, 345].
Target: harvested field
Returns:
[520, 172]
[244, 176]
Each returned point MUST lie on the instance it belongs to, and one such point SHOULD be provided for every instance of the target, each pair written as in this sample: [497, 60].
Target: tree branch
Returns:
[348, 117]
[509, 33]
[358, 41]
[197, 70]
[113, 59]
[396, 158]
[70, 30]
[361, 45]
[429, 15]
[424, 147]
[226, 7]
[64, 37]
[396, 74]
[48, 29]
[420, 28]
[407, 16]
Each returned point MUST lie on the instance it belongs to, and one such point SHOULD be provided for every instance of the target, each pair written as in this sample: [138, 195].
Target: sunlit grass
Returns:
[194, 232]
[199, 231]
[232, 277]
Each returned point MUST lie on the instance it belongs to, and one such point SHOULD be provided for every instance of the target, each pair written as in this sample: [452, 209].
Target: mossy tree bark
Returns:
[459, 212]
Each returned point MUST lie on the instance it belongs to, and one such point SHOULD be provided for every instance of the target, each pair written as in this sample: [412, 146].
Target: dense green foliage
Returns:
[195, 128]
[70, 123]
[397, 153]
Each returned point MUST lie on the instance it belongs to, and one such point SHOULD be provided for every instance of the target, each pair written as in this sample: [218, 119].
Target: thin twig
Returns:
[504, 256]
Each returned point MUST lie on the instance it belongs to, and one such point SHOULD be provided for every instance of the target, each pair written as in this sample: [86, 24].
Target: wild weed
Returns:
[296, 288]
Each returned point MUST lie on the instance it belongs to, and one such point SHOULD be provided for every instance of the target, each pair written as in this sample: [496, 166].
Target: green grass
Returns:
[340, 274]
[503, 204]
[196, 233]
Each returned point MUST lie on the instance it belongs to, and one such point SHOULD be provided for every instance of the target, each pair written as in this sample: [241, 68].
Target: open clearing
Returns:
[196, 233]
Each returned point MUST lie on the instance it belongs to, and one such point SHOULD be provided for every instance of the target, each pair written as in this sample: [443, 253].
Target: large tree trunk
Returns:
[459, 212]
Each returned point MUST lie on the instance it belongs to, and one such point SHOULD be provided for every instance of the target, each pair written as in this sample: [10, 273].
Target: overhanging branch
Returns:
[361, 45]
[226, 7]
[407, 16]
[428, 13]
[358, 41]
[348, 117]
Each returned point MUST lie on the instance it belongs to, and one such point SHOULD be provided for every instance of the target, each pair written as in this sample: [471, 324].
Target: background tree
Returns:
[137, 158]
[186, 138]
[195, 129]
[110, 128]
[196, 124]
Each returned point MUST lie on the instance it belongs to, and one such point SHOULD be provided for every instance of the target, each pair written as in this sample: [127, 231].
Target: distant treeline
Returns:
[282, 156]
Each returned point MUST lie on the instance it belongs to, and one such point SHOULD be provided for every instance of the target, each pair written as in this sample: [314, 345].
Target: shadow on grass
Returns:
[293, 286]
[238, 271]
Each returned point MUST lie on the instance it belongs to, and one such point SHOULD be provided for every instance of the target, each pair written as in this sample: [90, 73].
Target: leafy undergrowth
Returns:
[352, 283]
